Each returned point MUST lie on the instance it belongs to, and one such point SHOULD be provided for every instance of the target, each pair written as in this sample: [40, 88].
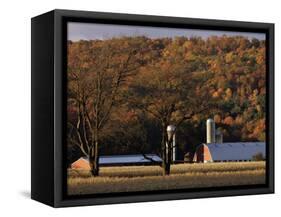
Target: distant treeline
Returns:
[162, 76]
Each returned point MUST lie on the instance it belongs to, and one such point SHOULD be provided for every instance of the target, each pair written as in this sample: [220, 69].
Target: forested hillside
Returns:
[132, 87]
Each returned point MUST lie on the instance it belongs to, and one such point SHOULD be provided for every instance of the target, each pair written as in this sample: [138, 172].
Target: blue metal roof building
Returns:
[129, 159]
[119, 160]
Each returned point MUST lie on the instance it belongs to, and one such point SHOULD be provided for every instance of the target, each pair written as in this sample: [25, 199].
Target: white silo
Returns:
[171, 132]
[211, 131]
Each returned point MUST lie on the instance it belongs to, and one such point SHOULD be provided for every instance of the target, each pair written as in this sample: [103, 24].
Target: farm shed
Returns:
[119, 160]
[235, 151]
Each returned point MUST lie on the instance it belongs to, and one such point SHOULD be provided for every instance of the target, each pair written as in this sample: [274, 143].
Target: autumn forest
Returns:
[123, 92]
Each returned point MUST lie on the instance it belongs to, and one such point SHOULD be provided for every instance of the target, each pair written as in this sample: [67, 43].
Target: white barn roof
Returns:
[236, 150]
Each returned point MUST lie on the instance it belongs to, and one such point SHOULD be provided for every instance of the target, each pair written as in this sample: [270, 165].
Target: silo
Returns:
[211, 131]
[219, 136]
[171, 132]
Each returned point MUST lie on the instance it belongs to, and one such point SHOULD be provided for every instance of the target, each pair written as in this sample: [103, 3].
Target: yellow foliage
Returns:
[228, 92]
[217, 118]
[229, 57]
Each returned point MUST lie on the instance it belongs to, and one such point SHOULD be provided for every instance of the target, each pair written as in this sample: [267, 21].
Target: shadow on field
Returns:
[144, 171]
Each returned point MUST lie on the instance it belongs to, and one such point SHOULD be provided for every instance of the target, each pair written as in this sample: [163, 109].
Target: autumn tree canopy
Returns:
[96, 75]
[125, 90]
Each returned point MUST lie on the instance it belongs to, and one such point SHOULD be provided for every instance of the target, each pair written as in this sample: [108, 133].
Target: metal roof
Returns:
[233, 151]
[127, 159]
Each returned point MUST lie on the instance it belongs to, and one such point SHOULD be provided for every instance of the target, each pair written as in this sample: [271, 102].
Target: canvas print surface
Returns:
[153, 108]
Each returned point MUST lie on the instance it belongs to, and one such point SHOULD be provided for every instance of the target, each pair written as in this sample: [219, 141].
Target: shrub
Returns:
[258, 157]
[188, 157]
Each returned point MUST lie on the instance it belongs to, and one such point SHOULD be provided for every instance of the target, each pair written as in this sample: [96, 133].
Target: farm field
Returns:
[146, 178]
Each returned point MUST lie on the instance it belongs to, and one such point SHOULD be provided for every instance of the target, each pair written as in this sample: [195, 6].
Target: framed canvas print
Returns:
[131, 108]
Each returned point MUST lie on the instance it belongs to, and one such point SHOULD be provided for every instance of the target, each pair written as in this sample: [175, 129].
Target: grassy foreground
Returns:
[146, 178]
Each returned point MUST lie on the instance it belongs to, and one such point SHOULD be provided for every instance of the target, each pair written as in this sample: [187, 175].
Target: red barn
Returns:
[235, 151]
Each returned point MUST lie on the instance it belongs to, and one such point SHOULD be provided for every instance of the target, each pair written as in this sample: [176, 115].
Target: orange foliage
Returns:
[228, 120]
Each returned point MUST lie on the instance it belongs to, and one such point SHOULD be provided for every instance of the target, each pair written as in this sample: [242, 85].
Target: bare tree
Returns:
[97, 71]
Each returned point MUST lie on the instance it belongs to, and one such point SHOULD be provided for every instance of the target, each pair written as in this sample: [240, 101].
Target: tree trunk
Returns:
[165, 152]
[94, 159]
[169, 156]
[167, 169]
[96, 169]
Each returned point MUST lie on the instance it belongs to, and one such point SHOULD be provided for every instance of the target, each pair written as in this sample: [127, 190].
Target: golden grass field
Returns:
[146, 178]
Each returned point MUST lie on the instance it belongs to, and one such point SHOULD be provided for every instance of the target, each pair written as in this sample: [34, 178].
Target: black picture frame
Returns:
[48, 37]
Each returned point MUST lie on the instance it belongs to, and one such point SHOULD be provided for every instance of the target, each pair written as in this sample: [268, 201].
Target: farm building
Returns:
[235, 151]
[118, 160]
